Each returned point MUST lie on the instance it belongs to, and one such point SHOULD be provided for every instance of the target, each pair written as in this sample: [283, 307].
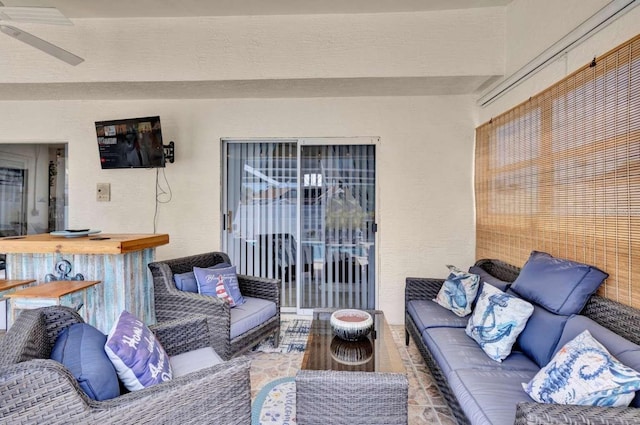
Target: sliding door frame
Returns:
[301, 142]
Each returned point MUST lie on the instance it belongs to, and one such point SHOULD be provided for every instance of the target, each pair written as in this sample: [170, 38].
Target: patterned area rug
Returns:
[275, 404]
[293, 337]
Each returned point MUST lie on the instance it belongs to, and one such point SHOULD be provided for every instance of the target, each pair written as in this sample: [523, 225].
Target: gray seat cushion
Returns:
[490, 396]
[191, 361]
[428, 314]
[254, 312]
[453, 349]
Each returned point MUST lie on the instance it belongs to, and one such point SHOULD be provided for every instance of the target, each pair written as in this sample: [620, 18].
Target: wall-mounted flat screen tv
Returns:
[130, 143]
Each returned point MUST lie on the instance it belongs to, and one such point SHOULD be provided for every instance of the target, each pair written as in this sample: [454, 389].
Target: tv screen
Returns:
[130, 143]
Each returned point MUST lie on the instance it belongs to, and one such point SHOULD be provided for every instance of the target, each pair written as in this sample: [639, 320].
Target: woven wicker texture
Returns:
[351, 398]
[42, 391]
[621, 319]
[171, 303]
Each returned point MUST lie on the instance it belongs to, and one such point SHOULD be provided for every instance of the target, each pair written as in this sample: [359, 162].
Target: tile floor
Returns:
[426, 405]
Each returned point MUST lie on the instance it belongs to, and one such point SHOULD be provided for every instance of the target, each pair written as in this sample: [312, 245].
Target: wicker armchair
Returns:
[36, 390]
[171, 303]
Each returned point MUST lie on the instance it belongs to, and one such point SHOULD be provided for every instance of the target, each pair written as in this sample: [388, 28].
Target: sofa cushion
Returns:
[187, 281]
[621, 348]
[497, 321]
[426, 314]
[458, 291]
[583, 372]
[192, 361]
[489, 396]
[219, 282]
[254, 312]
[486, 277]
[80, 348]
[453, 349]
[136, 354]
[540, 336]
[561, 286]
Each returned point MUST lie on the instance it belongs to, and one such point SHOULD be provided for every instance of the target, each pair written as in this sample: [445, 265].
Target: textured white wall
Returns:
[425, 162]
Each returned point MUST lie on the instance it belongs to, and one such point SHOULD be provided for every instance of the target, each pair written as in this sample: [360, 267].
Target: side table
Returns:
[70, 293]
[7, 287]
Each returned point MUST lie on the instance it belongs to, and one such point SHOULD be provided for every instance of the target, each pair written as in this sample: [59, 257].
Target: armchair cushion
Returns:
[253, 313]
[192, 361]
[221, 282]
[186, 282]
[80, 348]
[136, 354]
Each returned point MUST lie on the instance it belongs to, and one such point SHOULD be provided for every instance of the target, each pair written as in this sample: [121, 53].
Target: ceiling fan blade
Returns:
[37, 15]
[39, 43]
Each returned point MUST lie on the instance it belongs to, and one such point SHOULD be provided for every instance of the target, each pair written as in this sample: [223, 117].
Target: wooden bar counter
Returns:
[119, 261]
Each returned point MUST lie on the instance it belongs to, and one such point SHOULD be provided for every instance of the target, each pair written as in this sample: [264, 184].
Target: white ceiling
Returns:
[320, 87]
[184, 8]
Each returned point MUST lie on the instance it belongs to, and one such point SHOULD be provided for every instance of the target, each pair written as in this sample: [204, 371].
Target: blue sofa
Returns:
[482, 391]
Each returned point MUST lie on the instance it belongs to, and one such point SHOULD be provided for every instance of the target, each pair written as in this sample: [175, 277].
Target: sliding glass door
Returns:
[303, 211]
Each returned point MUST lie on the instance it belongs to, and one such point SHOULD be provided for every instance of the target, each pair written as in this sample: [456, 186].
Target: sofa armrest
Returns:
[419, 288]
[556, 414]
[183, 335]
[260, 287]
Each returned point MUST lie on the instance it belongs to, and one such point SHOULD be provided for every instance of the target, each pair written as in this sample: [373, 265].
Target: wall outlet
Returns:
[104, 192]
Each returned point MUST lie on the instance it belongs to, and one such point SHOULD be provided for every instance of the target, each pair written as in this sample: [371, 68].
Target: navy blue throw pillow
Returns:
[80, 348]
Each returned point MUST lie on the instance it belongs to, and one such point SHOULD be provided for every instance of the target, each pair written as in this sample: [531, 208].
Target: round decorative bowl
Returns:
[351, 325]
[351, 353]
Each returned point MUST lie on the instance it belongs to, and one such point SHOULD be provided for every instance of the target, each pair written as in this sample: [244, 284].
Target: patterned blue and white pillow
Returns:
[137, 355]
[458, 291]
[221, 283]
[497, 321]
[583, 372]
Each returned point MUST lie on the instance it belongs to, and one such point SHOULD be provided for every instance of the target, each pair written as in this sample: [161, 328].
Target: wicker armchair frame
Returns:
[621, 319]
[36, 390]
[172, 304]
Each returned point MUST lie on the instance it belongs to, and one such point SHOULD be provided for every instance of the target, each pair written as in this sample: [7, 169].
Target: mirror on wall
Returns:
[33, 188]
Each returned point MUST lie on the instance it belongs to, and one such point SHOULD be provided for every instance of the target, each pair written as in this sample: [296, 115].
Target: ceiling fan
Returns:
[38, 15]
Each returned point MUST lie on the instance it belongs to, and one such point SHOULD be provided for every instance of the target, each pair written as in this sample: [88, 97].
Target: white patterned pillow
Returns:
[497, 321]
[584, 372]
[458, 291]
[136, 354]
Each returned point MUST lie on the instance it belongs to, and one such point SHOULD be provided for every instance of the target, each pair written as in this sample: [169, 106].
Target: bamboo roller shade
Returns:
[560, 173]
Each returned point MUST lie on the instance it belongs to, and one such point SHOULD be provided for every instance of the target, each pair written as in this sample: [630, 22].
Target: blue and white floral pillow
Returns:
[497, 321]
[583, 372]
[458, 291]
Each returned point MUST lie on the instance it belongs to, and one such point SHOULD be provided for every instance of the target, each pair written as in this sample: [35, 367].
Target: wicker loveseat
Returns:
[37, 390]
[616, 317]
[171, 303]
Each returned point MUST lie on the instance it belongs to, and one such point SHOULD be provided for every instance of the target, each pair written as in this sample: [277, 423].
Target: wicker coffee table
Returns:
[351, 383]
